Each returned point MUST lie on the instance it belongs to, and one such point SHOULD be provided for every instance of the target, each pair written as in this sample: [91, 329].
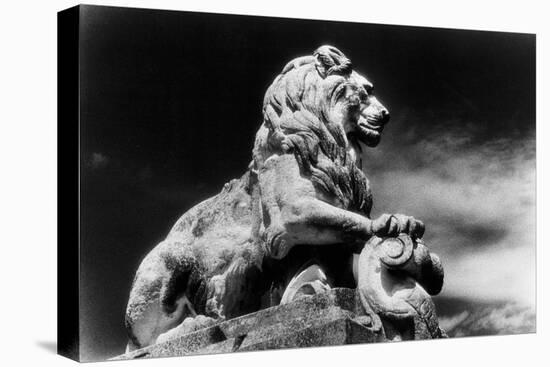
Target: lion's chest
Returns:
[343, 182]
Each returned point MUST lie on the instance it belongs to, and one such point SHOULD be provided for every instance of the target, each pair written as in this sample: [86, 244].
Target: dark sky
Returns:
[170, 103]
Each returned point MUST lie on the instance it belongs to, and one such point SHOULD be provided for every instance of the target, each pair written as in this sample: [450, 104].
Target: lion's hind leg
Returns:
[168, 288]
[156, 325]
[183, 300]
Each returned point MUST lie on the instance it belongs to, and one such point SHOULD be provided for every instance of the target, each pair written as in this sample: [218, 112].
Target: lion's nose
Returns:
[385, 116]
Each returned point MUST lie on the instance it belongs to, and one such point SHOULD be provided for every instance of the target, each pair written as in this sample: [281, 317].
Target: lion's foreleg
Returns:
[314, 222]
[318, 222]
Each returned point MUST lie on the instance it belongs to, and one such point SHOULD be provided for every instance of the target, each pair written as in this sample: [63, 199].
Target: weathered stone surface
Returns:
[183, 345]
[331, 318]
[395, 274]
[306, 307]
[304, 190]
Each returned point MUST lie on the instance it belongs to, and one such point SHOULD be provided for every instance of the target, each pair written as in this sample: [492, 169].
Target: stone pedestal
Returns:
[331, 318]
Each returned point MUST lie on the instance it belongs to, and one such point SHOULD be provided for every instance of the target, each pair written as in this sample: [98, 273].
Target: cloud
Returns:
[450, 323]
[494, 274]
[476, 194]
[98, 160]
[502, 319]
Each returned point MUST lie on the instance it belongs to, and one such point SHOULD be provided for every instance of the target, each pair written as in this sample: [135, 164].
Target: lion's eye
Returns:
[354, 100]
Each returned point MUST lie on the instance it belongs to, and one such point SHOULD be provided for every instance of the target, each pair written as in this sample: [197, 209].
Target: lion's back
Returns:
[215, 230]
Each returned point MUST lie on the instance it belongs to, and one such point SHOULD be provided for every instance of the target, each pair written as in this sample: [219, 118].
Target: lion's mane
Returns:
[295, 115]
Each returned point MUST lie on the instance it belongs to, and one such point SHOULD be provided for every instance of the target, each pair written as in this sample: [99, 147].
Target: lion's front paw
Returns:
[391, 225]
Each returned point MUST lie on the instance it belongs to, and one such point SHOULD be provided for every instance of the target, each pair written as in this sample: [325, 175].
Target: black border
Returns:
[68, 190]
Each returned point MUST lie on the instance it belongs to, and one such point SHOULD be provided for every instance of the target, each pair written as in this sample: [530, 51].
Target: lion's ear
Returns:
[322, 66]
[330, 60]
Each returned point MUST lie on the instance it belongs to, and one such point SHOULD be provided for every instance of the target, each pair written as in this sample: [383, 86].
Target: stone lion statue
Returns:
[293, 224]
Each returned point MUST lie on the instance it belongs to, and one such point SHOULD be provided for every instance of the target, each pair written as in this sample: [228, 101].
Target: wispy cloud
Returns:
[476, 194]
[450, 323]
[501, 319]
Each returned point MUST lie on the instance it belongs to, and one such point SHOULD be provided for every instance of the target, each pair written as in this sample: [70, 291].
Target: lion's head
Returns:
[326, 86]
[319, 107]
